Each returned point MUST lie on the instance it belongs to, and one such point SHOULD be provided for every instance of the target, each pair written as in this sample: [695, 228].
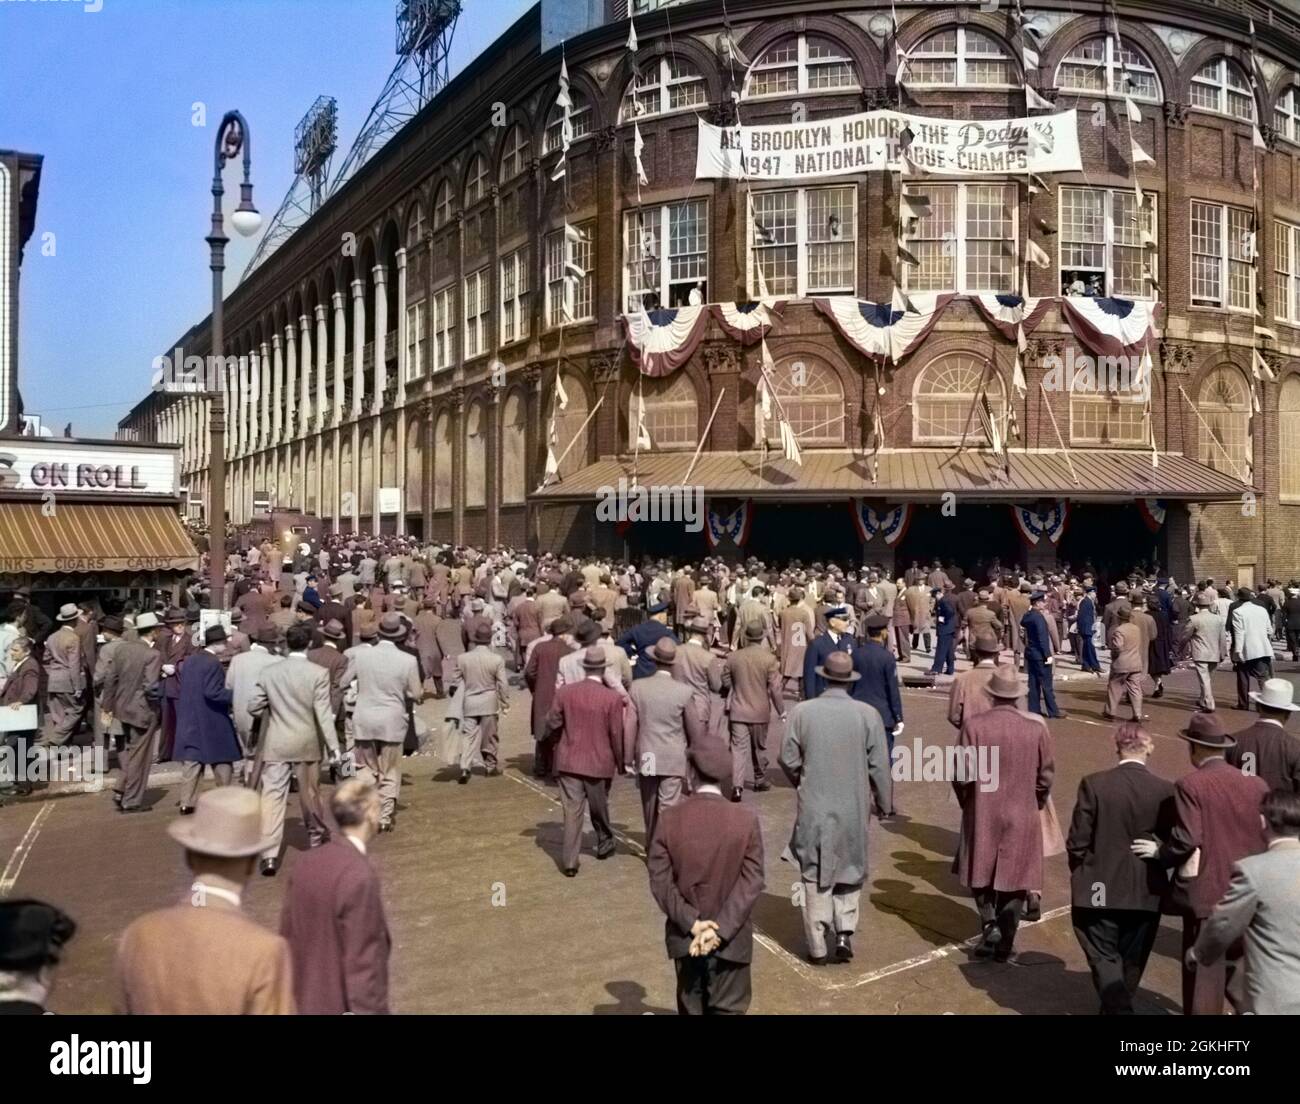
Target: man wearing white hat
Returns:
[65, 677]
[1266, 748]
[203, 956]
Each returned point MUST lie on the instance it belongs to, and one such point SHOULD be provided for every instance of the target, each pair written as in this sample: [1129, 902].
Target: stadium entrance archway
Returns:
[971, 537]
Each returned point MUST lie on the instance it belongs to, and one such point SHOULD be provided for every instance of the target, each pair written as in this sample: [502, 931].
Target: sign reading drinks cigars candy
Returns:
[62, 465]
[876, 141]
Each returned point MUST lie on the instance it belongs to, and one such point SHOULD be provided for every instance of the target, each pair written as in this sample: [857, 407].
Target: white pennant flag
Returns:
[1022, 342]
[1037, 254]
[561, 167]
[1035, 102]
[642, 431]
[631, 35]
[1254, 399]
[638, 144]
[1134, 112]
[563, 100]
[1140, 156]
[1030, 56]
[790, 444]
[1258, 137]
[901, 302]
[1018, 377]
[1262, 370]
[552, 464]
[765, 357]
[572, 237]
[561, 395]
[764, 409]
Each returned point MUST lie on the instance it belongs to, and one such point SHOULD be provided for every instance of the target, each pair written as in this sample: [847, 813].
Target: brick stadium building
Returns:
[387, 356]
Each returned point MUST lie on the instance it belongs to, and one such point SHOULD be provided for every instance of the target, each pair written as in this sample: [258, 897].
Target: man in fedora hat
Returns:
[640, 639]
[294, 694]
[1250, 629]
[205, 734]
[796, 624]
[1266, 748]
[1203, 637]
[203, 956]
[481, 676]
[112, 629]
[32, 937]
[1039, 656]
[541, 676]
[388, 682]
[327, 652]
[175, 644]
[1216, 823]
[239, 641]
[706, 874]
[585, 723]
[878, 684]
[65, 675]
[836, 638]
[662, 724]
[968, 695]
[241, 680]
[752, 676]
[132, 698]
[834, 747]
[1127, 665]
[1000, 852]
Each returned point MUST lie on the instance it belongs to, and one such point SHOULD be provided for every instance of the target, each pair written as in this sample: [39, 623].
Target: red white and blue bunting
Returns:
[748, 323]
[661, 341]
[1034, 526]
[733, 527]
[1110, 327]
[882, 330]
[1153, 511]
[891, 523]
[1007, 312]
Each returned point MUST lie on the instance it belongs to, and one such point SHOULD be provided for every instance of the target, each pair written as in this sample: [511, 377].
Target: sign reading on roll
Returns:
[877, 140]
[58, 464]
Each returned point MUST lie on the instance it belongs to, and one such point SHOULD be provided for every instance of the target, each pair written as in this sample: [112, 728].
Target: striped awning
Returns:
[93, 537]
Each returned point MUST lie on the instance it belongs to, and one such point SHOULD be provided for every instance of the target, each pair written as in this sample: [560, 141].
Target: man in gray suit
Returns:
[1262, 906]
[662, 726]
[387, 680]
[65, 674]
[481, 677]
[1204, 636]
[294, 693]
[132, 697]
[241, 680]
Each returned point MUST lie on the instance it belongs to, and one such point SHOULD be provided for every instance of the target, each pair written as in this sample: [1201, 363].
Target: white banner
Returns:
[61, 464]
[873, 142]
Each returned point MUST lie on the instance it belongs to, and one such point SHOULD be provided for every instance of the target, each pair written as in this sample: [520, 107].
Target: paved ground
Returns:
[483, 921]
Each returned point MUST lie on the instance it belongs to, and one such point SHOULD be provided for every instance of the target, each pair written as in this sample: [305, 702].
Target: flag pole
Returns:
[577, 435]
[703, 437]
[1059, 440]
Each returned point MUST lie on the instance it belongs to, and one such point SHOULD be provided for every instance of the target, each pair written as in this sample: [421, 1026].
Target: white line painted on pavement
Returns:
[14, 866]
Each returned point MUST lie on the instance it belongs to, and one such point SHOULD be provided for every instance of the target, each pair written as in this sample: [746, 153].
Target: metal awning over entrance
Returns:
[93, 537]
[915, 475]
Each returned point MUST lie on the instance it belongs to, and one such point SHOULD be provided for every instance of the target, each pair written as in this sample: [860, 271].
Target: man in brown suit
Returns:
[329, 655]
[86, 627]
[969, 694]
[585, 722]
[1128, 660]
[1216, 824]
[333, 915]
[754, 678]
[540, 675]
[132, 696]
[706, 873]
[796, 634]
[1017, 605]
[203, 956]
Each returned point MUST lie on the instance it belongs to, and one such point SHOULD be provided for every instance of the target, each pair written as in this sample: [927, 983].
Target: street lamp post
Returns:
[232, 137]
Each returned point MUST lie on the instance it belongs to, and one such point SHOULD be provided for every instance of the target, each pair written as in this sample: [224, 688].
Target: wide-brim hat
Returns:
[236, 615]
[1277, 693]
[838, 667]
[267, 636]
[1005, 684]
[67, 612]
[226, 823]
[712, 761]
[987, 644]
[145, 621]
[587, 632]
[333, 630]
[595, 659]
[664, 651]
[391, 627]
[112, 624]
[1207, 730]
[214, 634]
[755, 630]
[368, 631]
[32, 934]
[482, 634]
[174, 616]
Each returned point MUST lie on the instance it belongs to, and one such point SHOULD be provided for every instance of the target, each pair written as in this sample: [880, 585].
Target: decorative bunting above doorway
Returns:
[748, 323]
[1153, 512]
[661, 341]
[1009, 312]
[733, 527]
[891, 523]
[1034, 526]
[1110, 327]
[883, 330]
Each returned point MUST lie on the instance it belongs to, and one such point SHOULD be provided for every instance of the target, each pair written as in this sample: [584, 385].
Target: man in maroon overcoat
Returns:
[333, 915]
[585, 722]
[1004, 778]
[540, 673]
[1216, 823]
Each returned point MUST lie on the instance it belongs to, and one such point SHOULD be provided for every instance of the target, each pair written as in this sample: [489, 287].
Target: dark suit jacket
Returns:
[945, 616]
[638, 641]
[333, 918]
[706, 863]
[878, 685]
[333, 610]
[132, 685]
[204, 731]
[587, 717]
[1086, 616]
[335, 662]
[1038, 641]
[1115, 807]
[540, 674]
[815, 656]
[1274, 752]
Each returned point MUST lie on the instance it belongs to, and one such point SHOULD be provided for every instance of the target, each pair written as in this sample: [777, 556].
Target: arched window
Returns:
[476, 455]
[388, 458]
[1224, 405]
[809, 393]
[442, 205]
[347, 487]
[366, 476]
[580, 119]
[1106, 408]
[415, 226]
[801, 63]
[514, 159]
[476, 182]
[1221, 85]
[667, 84]
[944, 400]
[442, 458]
[961, 56]
[671, 412]
[569, 432]
[1286, 113]
[1288, 424]
[513, 446]
[414, 482]
[1103, 65]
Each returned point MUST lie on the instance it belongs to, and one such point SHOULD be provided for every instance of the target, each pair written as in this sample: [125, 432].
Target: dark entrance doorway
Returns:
[1110, 540]
[806, 531]
[971, 538]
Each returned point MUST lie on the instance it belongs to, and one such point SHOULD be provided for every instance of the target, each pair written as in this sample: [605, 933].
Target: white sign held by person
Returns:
[874, 141]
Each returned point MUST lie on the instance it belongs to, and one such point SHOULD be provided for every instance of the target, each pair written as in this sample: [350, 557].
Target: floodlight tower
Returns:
[424, 31]
[314, 141]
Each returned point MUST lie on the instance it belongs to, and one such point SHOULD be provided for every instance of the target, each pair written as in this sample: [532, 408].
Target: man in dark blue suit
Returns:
[205, 734]
[878, 685]
[1085, 620]
[836, 638]
[639, 639]
[945, 619]
[1038, 656]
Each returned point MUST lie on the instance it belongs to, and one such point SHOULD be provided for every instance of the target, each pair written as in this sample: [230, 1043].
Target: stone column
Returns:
[277, 390]
[266, 374]
[403, 368]
[340, 348]
[290, 423]
[322, 350]
[358, 347]
[381, 338]
[304, 380]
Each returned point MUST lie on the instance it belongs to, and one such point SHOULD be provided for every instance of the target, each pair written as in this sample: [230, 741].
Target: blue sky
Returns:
[107, 97]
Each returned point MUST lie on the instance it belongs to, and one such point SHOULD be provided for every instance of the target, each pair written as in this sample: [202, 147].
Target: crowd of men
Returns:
[674, 674]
